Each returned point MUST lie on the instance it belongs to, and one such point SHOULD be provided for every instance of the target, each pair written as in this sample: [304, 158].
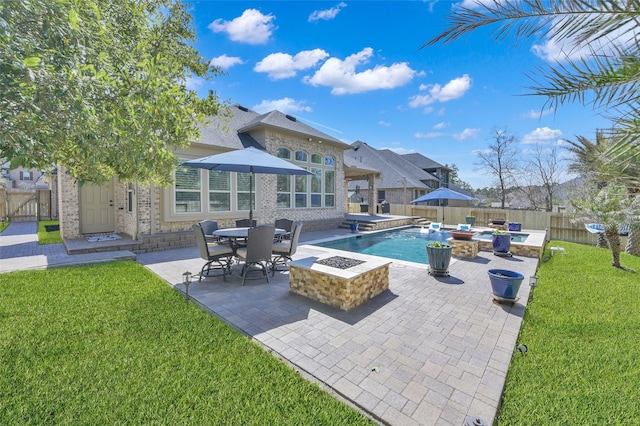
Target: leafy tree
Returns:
[99, 86]
[500, 160]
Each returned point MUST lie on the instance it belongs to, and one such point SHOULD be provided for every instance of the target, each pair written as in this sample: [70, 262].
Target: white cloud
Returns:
[282, 65]
[341, 75]
[327, 14]
[535, 114]
[225, 62]
[542, 136]
[442, 125]
[284, 105]
[429, 135]
[558, 48]
[194, 83]
[384, 123]
[467, 134]
[454, 89]
[252, 27]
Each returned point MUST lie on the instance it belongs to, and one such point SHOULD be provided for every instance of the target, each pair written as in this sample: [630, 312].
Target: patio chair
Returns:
[464, 227]
[218, 256]
[209, 227]
[282, 251]
[257, 253]
[245, 223]
[285, 224]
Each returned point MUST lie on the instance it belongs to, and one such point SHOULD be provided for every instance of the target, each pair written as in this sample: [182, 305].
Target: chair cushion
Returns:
[219, 250]
[241, 252]
[281, 247]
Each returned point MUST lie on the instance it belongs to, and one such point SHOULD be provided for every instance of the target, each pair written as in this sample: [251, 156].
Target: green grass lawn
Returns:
[113, 344]
[3, 225]
[582, 331]
[45, 237]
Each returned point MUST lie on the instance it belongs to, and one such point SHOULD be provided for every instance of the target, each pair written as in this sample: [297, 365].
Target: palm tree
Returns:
[605, 76]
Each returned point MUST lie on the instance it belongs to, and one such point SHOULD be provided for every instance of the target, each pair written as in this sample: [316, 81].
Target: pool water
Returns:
[405, 244]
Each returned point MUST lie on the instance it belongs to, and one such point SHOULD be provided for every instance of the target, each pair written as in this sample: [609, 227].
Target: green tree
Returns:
[99, 86]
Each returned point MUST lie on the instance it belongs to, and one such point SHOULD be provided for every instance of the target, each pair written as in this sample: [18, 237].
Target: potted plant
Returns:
[505, 284]
[439, 256]
[471, 220]
[515, 226]
[354, 226]
[501, 241]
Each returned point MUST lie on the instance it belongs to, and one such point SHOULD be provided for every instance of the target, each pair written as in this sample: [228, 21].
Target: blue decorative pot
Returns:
[439, 259]
[504, 283]
[515, 227]
[354, 226]
[501, 243]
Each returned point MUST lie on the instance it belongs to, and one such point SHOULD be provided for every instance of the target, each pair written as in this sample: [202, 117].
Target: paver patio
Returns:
[429, 351]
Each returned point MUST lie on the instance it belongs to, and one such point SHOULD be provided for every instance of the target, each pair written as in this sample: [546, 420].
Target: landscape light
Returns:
[186, 280]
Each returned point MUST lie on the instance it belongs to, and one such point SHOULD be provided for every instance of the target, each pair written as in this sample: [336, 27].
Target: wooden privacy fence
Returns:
[558, 225]
[19, 205]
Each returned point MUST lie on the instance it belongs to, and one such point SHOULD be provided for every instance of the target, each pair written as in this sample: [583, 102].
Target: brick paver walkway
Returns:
[430, 351]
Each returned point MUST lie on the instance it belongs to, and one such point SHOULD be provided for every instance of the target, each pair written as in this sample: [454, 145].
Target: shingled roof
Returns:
[393, 167]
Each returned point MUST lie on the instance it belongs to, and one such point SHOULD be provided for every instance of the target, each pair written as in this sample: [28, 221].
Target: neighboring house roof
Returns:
[393, 167]
[425, 163]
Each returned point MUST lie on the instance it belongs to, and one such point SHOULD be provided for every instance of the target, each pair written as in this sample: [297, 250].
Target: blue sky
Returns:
[355, 70]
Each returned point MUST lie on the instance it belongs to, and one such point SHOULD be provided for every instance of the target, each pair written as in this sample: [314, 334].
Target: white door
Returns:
[96, 207]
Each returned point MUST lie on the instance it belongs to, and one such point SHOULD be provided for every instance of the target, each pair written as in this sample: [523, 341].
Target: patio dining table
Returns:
[241, 233]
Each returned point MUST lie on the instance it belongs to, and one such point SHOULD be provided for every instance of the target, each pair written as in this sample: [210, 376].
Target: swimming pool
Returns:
[404, 244]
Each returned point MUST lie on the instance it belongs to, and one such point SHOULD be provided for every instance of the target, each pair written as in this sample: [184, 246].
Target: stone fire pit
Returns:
[342, 282]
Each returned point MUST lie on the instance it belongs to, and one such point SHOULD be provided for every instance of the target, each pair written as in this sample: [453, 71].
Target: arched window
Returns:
[283, 153]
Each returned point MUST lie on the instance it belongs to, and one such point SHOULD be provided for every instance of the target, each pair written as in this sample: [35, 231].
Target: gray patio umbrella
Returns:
[249, 160]
[442, 194]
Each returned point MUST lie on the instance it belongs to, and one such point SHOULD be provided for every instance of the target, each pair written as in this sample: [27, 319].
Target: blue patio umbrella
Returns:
[440, 194]
[249, 160]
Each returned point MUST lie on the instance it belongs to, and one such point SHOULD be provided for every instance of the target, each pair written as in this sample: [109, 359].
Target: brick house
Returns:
[147, 212]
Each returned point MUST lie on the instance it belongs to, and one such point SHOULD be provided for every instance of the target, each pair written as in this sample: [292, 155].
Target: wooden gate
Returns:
[21, 205]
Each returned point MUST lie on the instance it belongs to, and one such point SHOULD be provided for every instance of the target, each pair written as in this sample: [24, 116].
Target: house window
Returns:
[316, 190]
[284, 192]
[25, 175]
[130, 191]
[219, 191]
[381, 196]
[283, 153]
[329, 188]
[242, 192]
[301, 190]
[211, 191]
[188, 190]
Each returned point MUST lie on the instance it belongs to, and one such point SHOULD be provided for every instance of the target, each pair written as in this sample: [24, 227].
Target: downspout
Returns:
[152, 201]
[137, 229]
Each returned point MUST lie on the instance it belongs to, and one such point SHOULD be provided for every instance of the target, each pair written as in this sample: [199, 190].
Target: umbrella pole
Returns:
[250, 199]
